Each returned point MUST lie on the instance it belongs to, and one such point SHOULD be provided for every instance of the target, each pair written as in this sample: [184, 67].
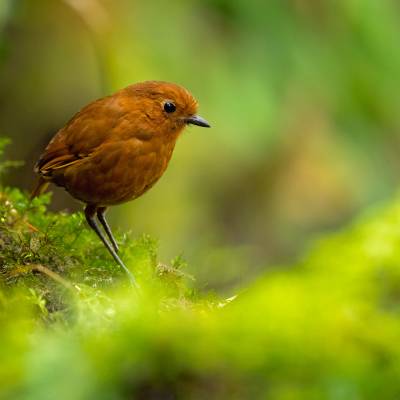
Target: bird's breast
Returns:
[118, 171]
[143, 170]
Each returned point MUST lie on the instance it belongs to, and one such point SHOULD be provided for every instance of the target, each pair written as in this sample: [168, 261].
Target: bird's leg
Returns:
[90, 212]
[101, 216]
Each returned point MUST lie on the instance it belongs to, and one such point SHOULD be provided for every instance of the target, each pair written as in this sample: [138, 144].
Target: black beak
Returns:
[197, 120]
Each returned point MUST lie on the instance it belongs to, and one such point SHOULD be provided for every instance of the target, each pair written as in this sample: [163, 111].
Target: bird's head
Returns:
[166, 108]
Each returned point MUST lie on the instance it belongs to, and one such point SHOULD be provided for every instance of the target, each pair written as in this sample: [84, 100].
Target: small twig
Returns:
[31, 227]
[53, 275]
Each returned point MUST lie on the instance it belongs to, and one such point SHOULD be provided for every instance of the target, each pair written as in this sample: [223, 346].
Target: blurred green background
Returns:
[302, 96]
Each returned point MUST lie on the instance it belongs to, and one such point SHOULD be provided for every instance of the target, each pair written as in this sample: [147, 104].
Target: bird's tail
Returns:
[40, 187]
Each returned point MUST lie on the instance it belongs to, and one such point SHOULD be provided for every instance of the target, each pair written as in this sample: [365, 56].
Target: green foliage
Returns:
[72, 327]
[49, 253]
[6, 165]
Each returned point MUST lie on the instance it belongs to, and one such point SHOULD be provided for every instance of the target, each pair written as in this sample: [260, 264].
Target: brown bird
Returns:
[116, 148]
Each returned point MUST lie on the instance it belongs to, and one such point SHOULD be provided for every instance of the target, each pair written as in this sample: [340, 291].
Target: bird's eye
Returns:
[169, 107]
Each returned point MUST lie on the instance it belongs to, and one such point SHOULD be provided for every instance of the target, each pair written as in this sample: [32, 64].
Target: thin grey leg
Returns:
[90, 212]
[101, 211]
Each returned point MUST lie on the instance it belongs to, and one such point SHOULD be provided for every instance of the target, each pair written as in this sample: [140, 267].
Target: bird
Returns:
[115, 149]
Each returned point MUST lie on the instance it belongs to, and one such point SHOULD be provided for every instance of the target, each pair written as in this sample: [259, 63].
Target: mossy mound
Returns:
[72, 327]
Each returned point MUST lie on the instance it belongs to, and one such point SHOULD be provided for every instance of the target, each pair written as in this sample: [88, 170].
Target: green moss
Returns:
[72, 327]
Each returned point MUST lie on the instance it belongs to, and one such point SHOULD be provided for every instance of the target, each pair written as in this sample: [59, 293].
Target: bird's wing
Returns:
[83, 134]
